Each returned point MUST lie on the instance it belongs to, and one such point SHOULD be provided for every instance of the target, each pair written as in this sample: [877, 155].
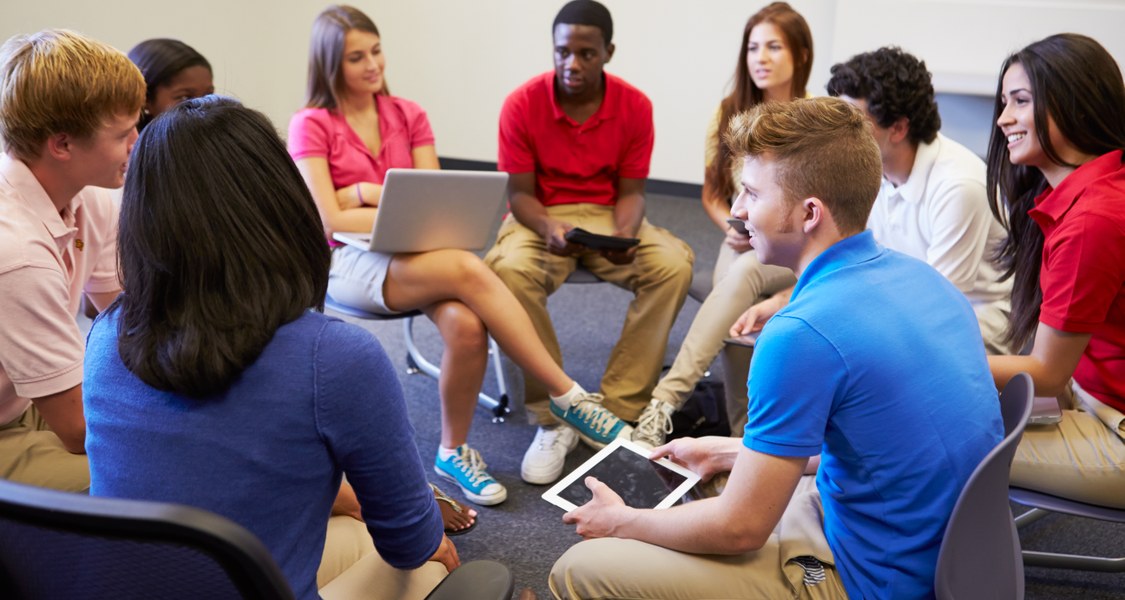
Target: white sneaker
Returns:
[655, 424]
[544, 459]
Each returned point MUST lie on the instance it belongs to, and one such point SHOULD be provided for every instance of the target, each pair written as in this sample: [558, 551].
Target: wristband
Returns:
[359, 194]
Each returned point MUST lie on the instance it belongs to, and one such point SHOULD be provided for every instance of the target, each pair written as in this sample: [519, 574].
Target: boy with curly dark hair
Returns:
[932, 203]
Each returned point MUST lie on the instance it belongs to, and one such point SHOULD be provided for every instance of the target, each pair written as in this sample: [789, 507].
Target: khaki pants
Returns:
[616, 568]
[744, 280]
[993, 319]
[31, 453]
[1081, 458]
[351, 569]
[659, 279]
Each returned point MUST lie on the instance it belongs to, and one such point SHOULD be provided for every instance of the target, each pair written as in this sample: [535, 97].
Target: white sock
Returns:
[444, 453]
[564, 401]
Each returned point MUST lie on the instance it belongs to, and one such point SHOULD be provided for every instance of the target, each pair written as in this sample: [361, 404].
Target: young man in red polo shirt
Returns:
[577, 143]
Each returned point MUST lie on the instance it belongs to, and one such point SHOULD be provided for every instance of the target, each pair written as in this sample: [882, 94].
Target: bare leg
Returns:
[421, 280]
[463, 364]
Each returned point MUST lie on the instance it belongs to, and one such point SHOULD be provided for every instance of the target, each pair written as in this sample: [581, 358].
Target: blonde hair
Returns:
[821, 147]
[58, 81]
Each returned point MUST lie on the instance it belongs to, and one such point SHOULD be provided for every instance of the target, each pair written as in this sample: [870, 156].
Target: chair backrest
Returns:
[980, 553]
[60, 545]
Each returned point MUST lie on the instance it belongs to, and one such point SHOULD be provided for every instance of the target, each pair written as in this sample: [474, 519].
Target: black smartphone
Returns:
[738, 225]
[747, 340]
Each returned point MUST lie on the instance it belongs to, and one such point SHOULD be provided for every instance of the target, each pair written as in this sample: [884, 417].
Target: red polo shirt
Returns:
[1083, 271]
[574, 162]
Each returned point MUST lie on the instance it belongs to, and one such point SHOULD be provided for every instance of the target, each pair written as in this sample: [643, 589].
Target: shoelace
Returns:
[470, 462]
[652, 421]
[549, 438]
[593, 414]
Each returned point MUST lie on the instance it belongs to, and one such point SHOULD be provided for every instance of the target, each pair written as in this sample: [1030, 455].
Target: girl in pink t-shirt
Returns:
[351, 132]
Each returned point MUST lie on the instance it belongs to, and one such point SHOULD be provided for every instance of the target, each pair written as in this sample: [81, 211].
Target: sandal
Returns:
[452, 513]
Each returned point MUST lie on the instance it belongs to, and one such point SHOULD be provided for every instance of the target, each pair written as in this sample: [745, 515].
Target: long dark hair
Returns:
[326, 53]
[1078, 85]
[798, 40]
[160, 60]
[219, 244]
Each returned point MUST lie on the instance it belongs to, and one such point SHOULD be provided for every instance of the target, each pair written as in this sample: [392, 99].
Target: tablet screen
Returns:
[640, 482]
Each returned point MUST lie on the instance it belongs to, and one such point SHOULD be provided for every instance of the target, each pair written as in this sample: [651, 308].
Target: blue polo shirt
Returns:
[877, 364]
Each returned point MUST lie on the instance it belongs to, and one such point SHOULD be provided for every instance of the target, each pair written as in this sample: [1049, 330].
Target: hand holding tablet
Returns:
[626, 469]
[596, 241]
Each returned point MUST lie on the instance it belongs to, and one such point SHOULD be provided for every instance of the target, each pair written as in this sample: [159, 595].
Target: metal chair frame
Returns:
[416, 362]
[1044, 504]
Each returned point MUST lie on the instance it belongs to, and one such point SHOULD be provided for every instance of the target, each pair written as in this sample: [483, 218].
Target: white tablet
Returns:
[627, 470]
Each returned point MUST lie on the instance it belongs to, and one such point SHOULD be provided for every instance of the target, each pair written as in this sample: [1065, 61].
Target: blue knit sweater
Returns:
[269, 452]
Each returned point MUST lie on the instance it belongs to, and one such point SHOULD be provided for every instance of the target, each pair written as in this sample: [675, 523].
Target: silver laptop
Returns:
[423, 210]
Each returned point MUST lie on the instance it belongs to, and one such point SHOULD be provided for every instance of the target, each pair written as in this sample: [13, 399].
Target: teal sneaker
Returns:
[467, 470]
[594, 424]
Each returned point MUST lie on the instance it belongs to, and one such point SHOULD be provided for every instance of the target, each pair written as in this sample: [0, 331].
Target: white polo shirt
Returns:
[941, 216]
[47, 260]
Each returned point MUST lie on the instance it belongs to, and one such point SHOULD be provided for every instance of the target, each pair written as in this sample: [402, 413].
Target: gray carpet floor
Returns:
[527, 534]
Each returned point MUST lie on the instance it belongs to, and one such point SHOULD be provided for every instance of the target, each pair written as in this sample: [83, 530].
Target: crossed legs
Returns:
[467, 301]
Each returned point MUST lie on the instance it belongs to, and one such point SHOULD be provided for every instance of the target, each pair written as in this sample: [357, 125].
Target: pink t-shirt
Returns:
[46, 261]
[322, 132]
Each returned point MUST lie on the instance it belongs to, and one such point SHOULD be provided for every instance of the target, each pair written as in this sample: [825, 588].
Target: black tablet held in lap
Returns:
[596, 241]
[627, 470]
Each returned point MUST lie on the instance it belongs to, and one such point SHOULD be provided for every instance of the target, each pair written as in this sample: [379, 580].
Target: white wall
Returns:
[459, 59]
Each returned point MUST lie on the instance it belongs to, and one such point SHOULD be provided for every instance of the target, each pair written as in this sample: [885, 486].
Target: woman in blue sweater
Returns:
[211, 381]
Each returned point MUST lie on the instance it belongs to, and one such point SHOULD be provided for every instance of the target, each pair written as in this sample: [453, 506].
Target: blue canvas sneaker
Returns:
[594, 424]
[467, 469]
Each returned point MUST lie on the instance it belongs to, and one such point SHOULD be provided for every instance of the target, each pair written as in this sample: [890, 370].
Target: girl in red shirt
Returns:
[1056, 178]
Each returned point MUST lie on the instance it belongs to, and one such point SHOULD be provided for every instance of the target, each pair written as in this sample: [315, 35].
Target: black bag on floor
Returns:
[704, 413]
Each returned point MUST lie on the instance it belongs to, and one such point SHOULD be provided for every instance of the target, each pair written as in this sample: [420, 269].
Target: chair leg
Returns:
[501, 409]
[413, 354]
[416, 363]
[1052, 560]
[1032, 515]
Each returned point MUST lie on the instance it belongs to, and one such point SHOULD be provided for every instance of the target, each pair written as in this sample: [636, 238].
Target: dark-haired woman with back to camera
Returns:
[213, 381]
[173, 72]
[1055, 159]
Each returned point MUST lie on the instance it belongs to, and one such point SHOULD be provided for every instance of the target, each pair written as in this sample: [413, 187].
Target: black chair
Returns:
[60, 545]
[980, 552]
